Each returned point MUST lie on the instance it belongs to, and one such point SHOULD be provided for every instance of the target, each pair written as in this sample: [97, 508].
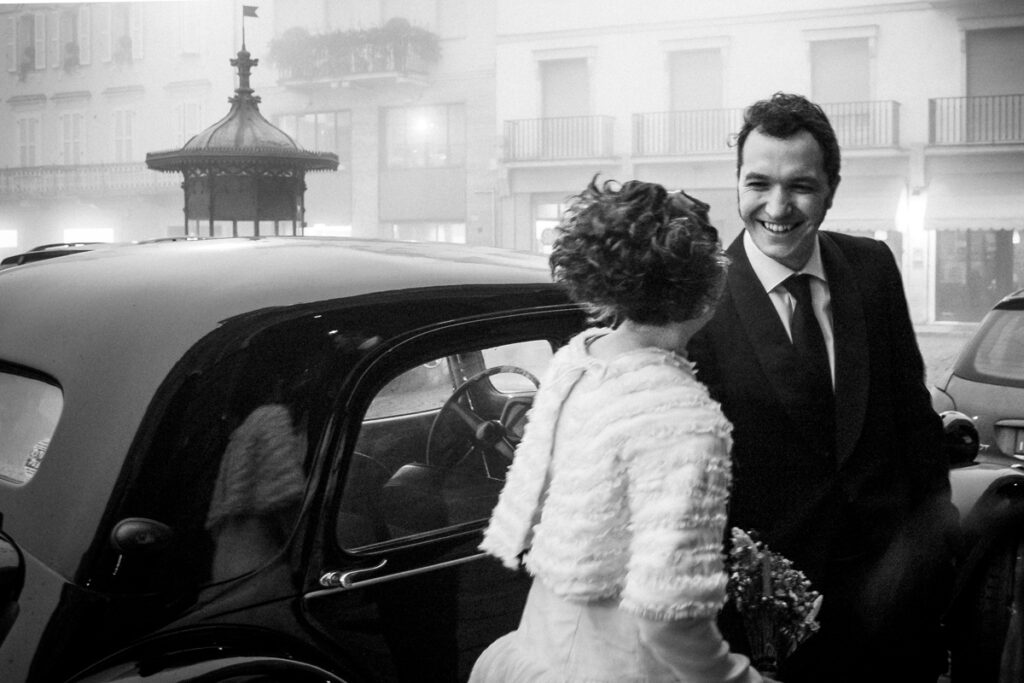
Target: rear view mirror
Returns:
[959, 438]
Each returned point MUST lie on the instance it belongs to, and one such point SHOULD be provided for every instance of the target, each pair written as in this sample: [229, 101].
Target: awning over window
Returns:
[975, 202]
[865, 203]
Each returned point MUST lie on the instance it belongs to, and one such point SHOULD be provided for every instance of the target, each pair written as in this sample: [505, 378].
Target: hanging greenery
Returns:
[300, 54]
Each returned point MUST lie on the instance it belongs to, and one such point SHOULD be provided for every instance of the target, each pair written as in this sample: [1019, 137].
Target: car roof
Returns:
[108, 325]
[206, 281]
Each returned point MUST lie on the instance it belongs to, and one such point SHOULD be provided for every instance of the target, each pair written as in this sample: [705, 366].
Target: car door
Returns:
[419, 459]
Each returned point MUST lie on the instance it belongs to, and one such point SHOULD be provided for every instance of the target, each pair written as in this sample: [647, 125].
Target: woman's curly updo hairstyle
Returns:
[634, 251]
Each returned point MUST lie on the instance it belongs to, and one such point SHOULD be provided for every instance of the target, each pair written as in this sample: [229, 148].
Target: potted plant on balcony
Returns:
[385, 48]
[294, 52]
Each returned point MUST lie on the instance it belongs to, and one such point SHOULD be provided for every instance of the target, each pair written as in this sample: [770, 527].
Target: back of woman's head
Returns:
[635, 251]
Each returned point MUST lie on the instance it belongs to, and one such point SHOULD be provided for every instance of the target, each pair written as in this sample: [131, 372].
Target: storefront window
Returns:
[974, 269]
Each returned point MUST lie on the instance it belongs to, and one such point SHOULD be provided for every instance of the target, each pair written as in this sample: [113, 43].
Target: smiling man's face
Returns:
[783, 195]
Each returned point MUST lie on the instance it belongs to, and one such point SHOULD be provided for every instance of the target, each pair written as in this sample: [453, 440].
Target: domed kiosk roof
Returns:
[242, 135]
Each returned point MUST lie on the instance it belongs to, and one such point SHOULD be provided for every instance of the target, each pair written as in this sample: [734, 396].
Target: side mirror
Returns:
[959, 438]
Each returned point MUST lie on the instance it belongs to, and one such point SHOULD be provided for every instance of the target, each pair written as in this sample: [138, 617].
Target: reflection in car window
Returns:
[532, 356]
[443, 464]
[28, 416]
[1000, 351]
[424, 387]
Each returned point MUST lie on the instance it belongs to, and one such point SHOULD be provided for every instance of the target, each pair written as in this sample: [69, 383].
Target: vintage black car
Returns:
[263, 458]
[271, 459]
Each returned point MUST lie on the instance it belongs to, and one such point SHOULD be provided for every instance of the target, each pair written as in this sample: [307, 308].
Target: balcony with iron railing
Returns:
[984, 120]
[865, 125]
[682, 133]
[84, 180]
[711, 131]
[560, 138]
[396, 51]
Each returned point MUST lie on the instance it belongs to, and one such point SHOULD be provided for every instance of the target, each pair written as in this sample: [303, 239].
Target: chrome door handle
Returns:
[348, 578]
[353, 578]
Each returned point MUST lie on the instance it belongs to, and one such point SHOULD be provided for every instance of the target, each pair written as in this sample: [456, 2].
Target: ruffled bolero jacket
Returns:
[620, 484]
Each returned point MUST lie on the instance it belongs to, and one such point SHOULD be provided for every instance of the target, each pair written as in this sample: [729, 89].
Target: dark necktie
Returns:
[814, 378]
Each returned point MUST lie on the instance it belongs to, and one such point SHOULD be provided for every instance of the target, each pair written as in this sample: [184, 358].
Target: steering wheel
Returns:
[490, 437]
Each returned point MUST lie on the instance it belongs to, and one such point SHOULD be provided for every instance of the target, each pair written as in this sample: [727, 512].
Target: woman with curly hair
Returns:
[616, 499]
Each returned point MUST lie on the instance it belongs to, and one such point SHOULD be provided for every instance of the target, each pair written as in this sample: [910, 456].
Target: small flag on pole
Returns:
[249, 11]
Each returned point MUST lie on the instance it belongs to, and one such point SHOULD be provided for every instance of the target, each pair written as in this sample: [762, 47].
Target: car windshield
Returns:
[29, 409]
[997, 354]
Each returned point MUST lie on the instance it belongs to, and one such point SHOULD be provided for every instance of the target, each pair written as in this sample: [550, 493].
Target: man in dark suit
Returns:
[836, 456]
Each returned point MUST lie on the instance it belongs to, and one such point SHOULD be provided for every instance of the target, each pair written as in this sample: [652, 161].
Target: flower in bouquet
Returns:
[775, 600]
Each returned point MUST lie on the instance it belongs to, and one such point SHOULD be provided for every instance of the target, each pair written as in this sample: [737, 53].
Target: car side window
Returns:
[28, 418]
[1000, 351]
[436, 441]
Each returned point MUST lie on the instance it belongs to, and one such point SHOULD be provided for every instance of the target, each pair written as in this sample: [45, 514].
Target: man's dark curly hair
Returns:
[634, 251]
[785, 115]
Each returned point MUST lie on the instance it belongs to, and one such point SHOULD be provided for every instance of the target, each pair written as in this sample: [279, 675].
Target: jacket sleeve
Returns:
[918, 423]
[677, 470]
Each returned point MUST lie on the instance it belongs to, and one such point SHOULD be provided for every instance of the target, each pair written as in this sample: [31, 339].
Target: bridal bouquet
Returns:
[778, 607]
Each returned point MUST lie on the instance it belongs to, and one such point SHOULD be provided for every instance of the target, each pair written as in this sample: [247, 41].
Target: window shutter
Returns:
[103, 33]
[135, 29]
[84, 35]
[53, 29]
[12, 43]
[39, 21]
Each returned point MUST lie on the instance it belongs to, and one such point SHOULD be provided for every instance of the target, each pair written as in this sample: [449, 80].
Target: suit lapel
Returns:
[768, 338]
[851, 347]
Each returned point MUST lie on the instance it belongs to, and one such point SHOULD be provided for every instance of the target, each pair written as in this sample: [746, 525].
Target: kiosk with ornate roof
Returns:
[243, 168]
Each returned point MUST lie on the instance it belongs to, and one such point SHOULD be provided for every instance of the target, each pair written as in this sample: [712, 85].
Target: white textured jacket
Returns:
[619, 487]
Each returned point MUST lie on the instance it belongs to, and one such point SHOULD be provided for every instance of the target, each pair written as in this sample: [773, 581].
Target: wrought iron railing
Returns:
[89, 179]
[365, 60]
[668, 133]
[564, 137]
[985, 120]
[712, 131]
[865, 124]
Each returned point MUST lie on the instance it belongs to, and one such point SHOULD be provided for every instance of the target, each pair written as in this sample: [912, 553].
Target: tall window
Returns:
[119, 29]
[329, 131]
[72, 138]
[695, 79]
[28, 141]
[124, 134]
[565, 87]
[74, 37]
[425, 137]
[995, 62]
[26, 42]
[841, 70]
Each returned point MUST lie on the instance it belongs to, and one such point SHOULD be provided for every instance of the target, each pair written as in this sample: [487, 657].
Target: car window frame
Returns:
[965, 366]
[555, 323]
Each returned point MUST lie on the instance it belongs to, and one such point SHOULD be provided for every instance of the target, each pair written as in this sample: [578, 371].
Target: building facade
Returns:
[927, 100]
[475, 121]
[86, 89]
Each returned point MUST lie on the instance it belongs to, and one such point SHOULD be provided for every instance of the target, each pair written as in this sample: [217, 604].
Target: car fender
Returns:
[996, 512]
[981, 493]
[211, 670]
[989, 500]
[214, 653]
